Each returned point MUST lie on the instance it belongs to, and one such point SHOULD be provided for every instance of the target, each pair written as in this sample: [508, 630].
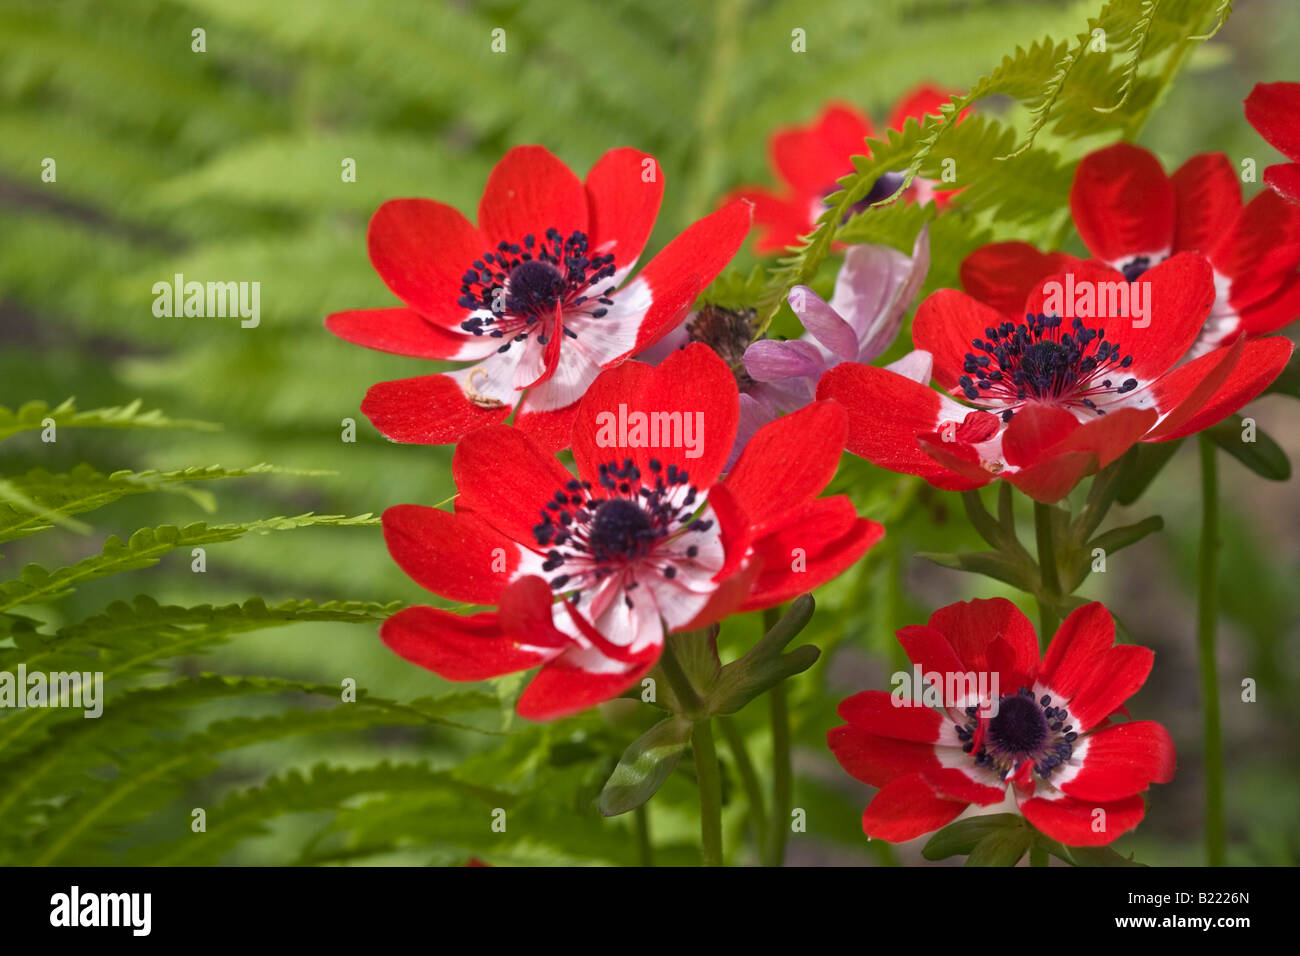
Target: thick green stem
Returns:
[1051, 585]
[1207, 611]
[706, 769]
[749, 779]
[1038, 856]
[644, 845]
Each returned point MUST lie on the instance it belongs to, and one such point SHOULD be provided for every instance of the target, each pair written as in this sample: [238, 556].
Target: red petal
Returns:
[552, 430]
[1109, 436]
[459, 556]
[823, 557]
[1184, 391]
[1208, 198]
[687, 265]
[887, 411]
[530, 190]
[406, 332]
[1072, 822]
[974, 627]
[693, 384]
[930, 650]
[1002, 274]
[1116, 676]
[559, 690]
[1261, 362]
[1274, 110]
[1284, 178]
[733, 527]
[1123, 760]
[455, 646]
[908, 808]
[1274, 311]
[1034, 430]
[1263, 240]
[1180, 296]
[1076, 648]
[503, 476]
[621, 384]
[527, 613]
[1055, 477]
[812, 158]
[1123, 204]
[880, 713]
[427, 410]
[945, 324]
[780, 221]
[421, 248]
[789, 460]
[622, 203]
[877, 760]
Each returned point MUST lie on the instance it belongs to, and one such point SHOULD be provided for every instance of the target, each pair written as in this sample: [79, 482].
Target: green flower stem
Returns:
[687, 698]
[1051, 589]
[749, 779]
[706, 756]
[644, 845]
[706, 769]
[1207, 611]
[1038, 856]
[782, 780]
[781, 774]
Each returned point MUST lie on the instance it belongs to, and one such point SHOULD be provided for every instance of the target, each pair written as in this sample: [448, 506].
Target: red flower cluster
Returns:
[1055, 366]
[809, 161]
[1013, 733]
[537, 296]
[644, 541]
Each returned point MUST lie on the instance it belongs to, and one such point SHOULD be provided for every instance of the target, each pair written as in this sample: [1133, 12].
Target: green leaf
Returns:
[144, 549]
[1018, 572]
[1263, 456]
[961, 838]
[764, 665]
[34, 416]
[645, 765]
[48, 498]
[1002, 847]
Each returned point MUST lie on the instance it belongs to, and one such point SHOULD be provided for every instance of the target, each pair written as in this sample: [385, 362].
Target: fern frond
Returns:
[35, 416]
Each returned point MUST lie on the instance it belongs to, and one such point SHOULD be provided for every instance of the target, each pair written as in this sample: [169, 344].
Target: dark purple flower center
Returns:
[1135, 267]
[1024, 729]
[591, 533]
[1037, 361]
[535, 285]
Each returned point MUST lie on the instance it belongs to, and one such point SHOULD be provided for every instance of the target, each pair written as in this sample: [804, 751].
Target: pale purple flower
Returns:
[873, 291]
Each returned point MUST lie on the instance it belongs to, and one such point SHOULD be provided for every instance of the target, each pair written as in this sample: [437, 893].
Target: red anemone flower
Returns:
[535, 296]
[1060, 394]
[589, 573]
[1133, 216]
[1274, 110]
[809, 161]
[1011, 732]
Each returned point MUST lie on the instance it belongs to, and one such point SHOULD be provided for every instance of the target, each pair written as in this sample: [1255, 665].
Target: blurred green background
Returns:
[225, 165]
